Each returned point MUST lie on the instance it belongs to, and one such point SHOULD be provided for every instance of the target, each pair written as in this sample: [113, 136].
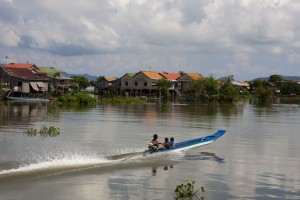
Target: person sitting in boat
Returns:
[154, 144]
[166, 143]
[171, 143]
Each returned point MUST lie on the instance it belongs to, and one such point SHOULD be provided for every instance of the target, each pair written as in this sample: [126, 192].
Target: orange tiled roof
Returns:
[195, 76]
[110, 79]
[170, 76]
[246, 84]
[152, 75]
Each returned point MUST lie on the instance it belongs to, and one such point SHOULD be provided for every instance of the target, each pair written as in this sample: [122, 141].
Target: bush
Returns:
[79, 98]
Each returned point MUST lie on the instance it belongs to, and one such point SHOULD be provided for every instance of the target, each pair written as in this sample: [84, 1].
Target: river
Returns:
[97, 153]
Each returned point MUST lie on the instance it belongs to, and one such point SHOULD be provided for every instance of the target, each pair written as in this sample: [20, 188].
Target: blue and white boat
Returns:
[27, 99]
[188, 144]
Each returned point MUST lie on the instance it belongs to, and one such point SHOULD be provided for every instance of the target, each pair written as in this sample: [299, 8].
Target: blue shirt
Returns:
[171, 144]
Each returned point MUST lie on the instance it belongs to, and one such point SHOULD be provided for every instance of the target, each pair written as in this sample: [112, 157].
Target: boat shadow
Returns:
[204, 156]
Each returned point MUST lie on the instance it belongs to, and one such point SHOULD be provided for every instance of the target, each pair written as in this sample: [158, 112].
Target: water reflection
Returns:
[272, 186]
[16, 113]
[165, 168]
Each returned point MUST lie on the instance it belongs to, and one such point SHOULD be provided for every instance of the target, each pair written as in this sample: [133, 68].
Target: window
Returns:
[145, 83]
[126, 83]
[136, 83]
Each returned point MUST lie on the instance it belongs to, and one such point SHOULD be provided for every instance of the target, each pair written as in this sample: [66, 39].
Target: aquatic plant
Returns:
[31, 132]
[186, 191]
[50, 131]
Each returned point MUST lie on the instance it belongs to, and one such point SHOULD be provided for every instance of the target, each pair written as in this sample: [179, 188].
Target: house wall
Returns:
[185, 82]
[126, 79]
[141, 82]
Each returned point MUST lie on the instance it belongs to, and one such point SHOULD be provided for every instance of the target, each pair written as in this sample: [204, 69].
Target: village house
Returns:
[185, 81]
[126, 84]
[24, 78]
[58, 81]
[144, 83]
[106, 85]
[172, 77]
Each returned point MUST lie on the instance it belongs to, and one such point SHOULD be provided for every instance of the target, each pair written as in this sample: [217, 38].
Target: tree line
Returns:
[209, 89]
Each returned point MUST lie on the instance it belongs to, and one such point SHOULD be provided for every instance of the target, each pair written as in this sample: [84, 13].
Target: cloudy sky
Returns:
[244, 38]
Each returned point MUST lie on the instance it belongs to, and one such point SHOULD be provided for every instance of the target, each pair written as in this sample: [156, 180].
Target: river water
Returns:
[97, 153]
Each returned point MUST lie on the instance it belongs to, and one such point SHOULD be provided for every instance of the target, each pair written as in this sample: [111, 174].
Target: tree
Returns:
[82, 82]
[276, 79]
[264, 94]
[207, 88]
[228, 92]
[164, 85]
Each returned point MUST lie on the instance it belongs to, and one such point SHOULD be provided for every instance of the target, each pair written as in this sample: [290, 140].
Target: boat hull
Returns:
[189, 144]
[26, 99]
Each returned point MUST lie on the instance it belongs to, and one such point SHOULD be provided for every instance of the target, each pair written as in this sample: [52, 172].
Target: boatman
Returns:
[155, 143]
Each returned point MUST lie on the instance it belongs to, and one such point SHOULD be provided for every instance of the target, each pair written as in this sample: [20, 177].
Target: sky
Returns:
[243, 38]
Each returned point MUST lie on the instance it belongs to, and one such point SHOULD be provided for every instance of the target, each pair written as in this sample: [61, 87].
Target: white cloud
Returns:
[206, 36]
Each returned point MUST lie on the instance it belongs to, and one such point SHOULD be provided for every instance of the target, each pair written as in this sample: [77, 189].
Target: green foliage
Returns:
[287, 88]
[50, 131]
[164, 85]
[264, 94]
[186, 191]
[228, 92]
[206, 89]
[81, 81]
[79, 98]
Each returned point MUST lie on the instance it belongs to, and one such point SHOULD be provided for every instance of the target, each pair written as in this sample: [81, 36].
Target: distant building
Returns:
[126, 84]
[144, 83]
[185, 81]
[105, 85]
[24, 78]
[58, 81]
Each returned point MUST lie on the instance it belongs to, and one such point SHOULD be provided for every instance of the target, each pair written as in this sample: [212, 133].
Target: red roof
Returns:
[25, 66]
[24, 73]
[170, 76]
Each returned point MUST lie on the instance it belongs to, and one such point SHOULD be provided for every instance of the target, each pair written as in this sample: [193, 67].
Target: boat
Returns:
[188, 144]
[26, 99]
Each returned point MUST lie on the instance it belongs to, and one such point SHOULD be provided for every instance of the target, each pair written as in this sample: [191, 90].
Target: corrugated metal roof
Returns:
[23, 73]
[110, 79]
[152, 75]
[52, 70]
[170, 76]
[24, 66]
[195, 76]
[131, 74]
[246, 84]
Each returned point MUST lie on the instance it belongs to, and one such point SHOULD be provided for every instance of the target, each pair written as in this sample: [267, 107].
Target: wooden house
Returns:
[144, 83]
[57, 80]
[105, 85]
[126, 84]
[185, 81]
[24, 78]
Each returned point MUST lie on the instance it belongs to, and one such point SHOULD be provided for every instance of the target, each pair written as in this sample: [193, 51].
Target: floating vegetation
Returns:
[186, 191]
[50, 131]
